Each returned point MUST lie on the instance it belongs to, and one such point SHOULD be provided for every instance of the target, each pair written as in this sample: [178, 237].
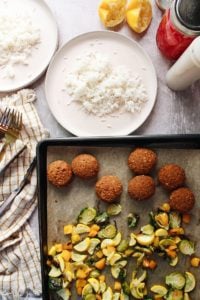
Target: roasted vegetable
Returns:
[114, 209]
[195, 262]
[64, 294]
[144, 239]
[108, 232]
[94, 244]
[186, 247]
[159, 290]
[122, 246]
[174, 219]
[176, 280]
[162, 220]
[190, 282]
[126, 288]
[132, 220]
[137, 285]
[122, 275]
[54, 272]
[174, 295]
[82, 246]
[147, 229]
[102, 218]
[87, 215]
[55, 283]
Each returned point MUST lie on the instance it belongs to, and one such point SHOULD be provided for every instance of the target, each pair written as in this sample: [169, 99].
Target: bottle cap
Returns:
[188, 13]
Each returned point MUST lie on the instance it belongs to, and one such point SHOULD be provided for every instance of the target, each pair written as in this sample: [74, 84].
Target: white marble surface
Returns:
[173, 112]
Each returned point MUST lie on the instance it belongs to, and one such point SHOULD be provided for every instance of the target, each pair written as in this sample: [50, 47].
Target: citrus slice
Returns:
[139, 15]
[112, 12]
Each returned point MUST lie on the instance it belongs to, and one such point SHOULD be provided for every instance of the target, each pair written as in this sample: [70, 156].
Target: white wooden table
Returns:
[173, 112]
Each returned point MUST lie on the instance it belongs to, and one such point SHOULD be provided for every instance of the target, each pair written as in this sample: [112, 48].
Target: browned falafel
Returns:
[85, 166]
[59, 173]
[171, 176]
[182, 200]
[141, 187]
[109, 188]
[142, 160]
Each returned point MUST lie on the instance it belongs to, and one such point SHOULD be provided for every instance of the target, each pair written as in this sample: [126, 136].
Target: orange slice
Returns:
[139, 15]
[112, 12]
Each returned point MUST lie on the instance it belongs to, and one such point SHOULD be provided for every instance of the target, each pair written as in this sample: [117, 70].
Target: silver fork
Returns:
[15, 125]
[5, 121]
[10, 126]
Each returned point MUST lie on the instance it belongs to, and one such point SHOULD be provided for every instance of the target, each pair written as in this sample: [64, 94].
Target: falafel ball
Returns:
[59, 173]
[141, 187]
[142, 160]
[109, 188]
[171, 176]
[182, 200]
[85, 166]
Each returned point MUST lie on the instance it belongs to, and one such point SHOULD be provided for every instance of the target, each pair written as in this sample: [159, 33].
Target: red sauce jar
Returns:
[179, 26]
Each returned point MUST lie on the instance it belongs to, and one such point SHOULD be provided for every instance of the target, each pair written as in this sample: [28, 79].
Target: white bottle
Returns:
[186, 70]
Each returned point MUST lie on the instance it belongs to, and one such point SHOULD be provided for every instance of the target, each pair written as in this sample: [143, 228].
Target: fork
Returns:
[15, 125]
[5, 121]
[10, 126]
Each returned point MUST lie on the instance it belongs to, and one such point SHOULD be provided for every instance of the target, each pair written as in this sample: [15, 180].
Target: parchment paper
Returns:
[64, 204]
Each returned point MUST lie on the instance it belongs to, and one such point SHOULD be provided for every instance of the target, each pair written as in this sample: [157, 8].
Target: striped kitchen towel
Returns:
[19, 249]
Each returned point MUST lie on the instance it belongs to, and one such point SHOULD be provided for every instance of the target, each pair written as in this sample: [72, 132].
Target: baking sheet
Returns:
[64, 204]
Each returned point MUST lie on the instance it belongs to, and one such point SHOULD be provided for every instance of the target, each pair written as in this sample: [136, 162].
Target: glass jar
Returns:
[179, 26]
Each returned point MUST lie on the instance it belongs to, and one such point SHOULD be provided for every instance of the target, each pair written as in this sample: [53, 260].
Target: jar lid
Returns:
[188, 13]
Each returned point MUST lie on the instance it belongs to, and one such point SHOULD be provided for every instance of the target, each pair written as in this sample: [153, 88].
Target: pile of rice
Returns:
[18, 37]
[102, 89]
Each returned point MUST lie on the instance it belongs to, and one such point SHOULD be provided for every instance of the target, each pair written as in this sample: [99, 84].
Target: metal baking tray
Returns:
[57, 206]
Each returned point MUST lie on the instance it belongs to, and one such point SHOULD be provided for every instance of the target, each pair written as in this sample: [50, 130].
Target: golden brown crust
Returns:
[182, 200]
[59, 173]
[141, 187]
[85, 166]
[142, 160]
[171, 176]
[109, 188]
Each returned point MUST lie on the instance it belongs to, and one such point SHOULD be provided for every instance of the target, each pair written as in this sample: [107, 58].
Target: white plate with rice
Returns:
[28, 40]
[101, 84]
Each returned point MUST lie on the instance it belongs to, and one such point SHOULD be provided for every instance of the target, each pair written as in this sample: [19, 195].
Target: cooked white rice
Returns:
[102, 88]
[18, 37]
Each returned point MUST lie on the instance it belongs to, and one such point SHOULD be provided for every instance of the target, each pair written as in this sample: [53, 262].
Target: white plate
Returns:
[42, 17]
[121, 50]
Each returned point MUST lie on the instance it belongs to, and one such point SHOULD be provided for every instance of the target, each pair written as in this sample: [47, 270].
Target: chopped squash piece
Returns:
[100, 265]
[75, 238]
[68, 229]
[102, 278]
[58, 248]
[52, 251]
[195, 262]
[66, 255]
[117, 286]
[99, 254]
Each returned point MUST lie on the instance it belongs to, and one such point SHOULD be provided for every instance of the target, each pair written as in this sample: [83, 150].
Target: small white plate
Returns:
[122, 51]
[42, 18]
